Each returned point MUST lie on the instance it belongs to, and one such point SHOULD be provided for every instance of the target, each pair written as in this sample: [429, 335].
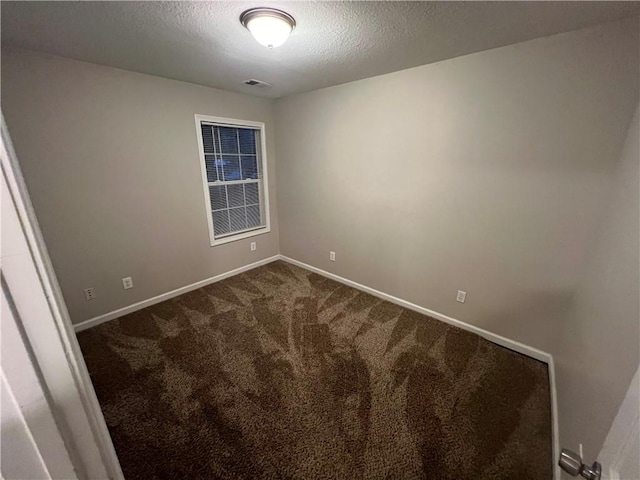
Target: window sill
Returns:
[240, 236]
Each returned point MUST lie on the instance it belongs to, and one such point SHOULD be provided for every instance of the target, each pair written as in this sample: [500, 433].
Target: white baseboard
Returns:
[92, 322]
[492, 337]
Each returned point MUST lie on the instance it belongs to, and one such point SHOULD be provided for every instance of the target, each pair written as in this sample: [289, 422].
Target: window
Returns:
[232, 157]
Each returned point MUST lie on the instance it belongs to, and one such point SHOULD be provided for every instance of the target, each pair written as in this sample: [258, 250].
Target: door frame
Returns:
[622, 440]
[66, 344]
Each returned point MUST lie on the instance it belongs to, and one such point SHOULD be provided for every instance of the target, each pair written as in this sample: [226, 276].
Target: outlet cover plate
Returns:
[461, 297]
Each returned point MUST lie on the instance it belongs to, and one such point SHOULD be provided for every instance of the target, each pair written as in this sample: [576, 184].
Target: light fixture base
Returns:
[270, 27]
[266, 12]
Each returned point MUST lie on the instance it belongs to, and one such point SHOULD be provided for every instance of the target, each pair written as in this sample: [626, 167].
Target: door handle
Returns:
[571, 463]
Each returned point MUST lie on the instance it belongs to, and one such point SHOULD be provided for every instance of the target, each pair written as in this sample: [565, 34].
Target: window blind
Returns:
[234, 177]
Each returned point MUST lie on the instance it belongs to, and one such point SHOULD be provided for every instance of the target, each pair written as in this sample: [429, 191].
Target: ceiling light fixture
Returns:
[270, 27]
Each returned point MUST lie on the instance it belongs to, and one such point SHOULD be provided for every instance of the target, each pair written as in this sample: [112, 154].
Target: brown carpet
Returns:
[280, 373]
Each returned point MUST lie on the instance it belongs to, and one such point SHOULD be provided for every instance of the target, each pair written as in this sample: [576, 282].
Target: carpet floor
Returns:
[280, 373]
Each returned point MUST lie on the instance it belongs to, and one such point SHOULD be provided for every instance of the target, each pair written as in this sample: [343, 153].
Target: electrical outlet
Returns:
[127, 283]
[253, 246]
[461, 297]
[332, 256]
[89, 294]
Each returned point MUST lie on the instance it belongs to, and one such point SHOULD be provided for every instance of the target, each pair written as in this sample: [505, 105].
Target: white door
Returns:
[31, 445]
[52, 426]
[620, 455]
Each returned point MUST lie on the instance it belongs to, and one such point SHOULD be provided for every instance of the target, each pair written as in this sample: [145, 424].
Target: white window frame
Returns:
[264, 187]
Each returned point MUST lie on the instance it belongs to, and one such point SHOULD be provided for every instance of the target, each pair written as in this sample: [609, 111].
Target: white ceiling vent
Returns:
[257, 83]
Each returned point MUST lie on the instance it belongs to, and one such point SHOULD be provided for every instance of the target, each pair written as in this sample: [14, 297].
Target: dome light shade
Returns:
[268, 26]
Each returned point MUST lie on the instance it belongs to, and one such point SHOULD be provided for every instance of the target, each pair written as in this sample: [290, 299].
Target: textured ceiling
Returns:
[334, 42]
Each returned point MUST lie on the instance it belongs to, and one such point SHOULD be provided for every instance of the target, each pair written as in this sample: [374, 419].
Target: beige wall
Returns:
[111, 162]
[487, 173]
[601, 354]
